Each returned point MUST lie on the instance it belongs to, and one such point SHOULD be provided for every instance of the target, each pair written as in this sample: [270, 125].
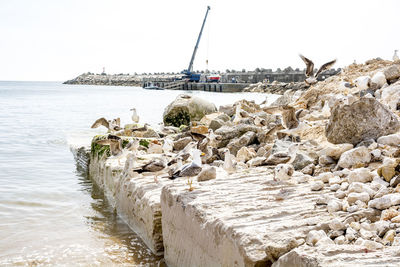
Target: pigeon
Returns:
[310, 77]
[111, 125]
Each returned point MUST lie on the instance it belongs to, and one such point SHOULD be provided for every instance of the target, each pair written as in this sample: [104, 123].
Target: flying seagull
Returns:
[111, 125]
[310, 77]
[135, 117]
[115, 143]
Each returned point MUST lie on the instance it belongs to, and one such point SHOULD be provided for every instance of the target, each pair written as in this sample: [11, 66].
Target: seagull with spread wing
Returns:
[310, 77]
[111, 125]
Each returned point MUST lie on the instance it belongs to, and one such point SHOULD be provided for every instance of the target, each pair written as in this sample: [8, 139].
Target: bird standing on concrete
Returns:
[190, 169]
[310, 77]
[135, 117]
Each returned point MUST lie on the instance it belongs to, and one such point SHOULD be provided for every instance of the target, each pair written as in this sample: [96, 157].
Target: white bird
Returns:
[129, 163]
[135, 117]
[111, 125]
[310, 77]
[229, 162]
[395, 56]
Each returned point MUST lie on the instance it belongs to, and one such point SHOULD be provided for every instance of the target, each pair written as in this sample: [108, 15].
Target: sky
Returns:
[56, 40]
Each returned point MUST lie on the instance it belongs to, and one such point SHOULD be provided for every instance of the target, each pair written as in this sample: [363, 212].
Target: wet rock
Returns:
[186, 108]
[354, 157]
[385, 202]
[237, 143]
[392, 72]
[181, 143]
[363, 119]
[207, 173]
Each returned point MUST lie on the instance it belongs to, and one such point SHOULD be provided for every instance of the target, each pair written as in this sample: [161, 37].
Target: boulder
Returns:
[385, 202]
[363, 119]
[335, 151]
[227, 109]
[181, 143]
[360, 175]
[301, 160]
[354, 157]
[390, 140]
[392, 72]
[390, 96]
[362, 82]
[186, 108]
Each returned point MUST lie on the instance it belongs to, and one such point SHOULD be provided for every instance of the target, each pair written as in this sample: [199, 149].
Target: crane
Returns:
[193, 77]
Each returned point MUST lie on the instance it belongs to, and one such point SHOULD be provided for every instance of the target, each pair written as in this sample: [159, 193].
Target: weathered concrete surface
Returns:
[236, 220]
[137, 200]
[339, 256]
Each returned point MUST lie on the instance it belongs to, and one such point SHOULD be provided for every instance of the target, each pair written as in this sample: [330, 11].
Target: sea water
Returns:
[50, 212]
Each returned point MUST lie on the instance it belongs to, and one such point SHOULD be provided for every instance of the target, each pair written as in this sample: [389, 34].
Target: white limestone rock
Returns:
[362, 82]
[385, 202]
[362, 175]
[325, 176]
[355, 156]
[358, 187]
[334, 205]
[390, 140]
[335, 151]
[283, 172]
[378, 80]
[317, 186]
[391, 96]
[353, 197]
[314, 236]
[336, 225]
[244, 154]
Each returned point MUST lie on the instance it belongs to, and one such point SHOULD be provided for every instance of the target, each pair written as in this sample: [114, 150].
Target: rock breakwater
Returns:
[275, 190]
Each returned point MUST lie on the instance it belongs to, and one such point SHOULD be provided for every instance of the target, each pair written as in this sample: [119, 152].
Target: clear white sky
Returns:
[60, 39]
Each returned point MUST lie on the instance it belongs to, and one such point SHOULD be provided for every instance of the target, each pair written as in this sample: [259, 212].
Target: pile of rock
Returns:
[345, 145]
[275, 87]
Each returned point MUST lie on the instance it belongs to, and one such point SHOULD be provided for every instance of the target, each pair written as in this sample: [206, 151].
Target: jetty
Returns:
[318, 194]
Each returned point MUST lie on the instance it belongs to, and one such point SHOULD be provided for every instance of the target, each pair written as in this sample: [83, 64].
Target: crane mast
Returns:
[190, 68]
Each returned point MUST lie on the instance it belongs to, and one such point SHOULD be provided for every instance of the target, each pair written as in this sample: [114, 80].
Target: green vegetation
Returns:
[97, 149]
[178, 119]
[144, 142]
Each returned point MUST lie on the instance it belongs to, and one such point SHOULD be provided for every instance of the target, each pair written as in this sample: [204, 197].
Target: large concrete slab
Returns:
[237, 220]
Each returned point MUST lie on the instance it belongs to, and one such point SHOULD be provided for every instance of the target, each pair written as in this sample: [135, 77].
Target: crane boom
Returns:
[190, 68]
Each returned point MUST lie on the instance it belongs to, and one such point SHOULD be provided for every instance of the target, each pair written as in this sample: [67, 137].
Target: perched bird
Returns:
[129, 163]
[229, 162]
[184, 154]
[135, 117]
[111, 125]
[133, 145]
[395, 56]
[310, 77]
[115, 143]
[190, 169]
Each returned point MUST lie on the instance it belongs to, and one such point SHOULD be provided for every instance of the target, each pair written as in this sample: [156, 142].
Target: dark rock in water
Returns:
[186, 108]
[363, 119]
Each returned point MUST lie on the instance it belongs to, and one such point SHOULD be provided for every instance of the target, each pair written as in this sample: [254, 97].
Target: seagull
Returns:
[111, 125]
[395, 56]
[190, 169]
[229, 161]
[130, 161]
[184, 154]
[283, 172]
[115, 143]
[310, 77]
[135, 117]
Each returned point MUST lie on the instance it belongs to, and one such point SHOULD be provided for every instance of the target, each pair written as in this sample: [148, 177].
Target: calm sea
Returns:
[50, 213]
